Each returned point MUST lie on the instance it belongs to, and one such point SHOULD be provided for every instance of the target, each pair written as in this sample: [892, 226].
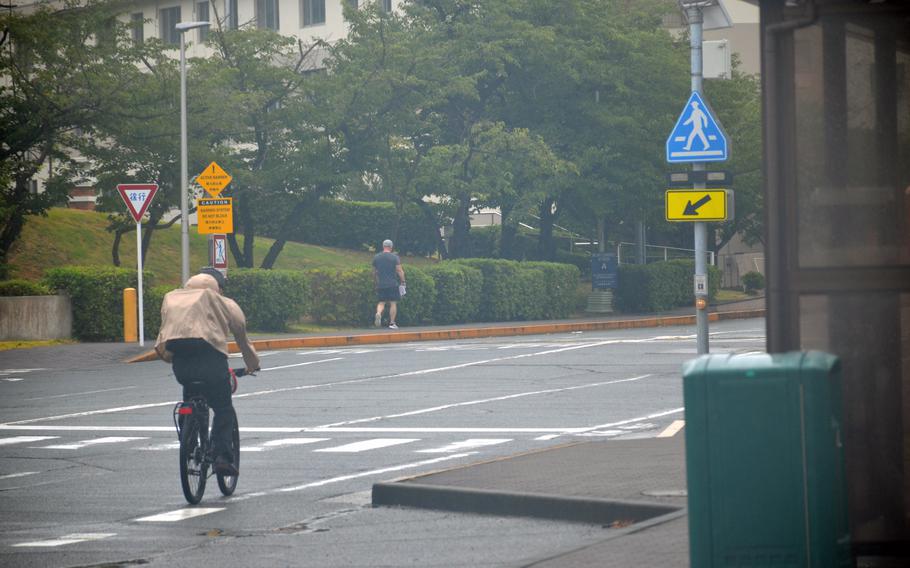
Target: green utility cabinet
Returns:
[765, 461]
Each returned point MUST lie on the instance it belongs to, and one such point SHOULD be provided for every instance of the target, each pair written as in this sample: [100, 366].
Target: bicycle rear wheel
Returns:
[227, 483]
[193, 469]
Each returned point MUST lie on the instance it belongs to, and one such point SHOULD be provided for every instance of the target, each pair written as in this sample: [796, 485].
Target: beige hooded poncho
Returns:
[198, 310]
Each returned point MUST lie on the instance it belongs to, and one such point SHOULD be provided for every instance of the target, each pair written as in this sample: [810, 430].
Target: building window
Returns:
[137, 31]
[313, 12]
[202, 15]
[168, 18]
[267, 14]
[386, 5]
[230, 9]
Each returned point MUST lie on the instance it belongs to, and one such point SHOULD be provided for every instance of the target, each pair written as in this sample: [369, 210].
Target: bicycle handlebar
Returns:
[241, 372]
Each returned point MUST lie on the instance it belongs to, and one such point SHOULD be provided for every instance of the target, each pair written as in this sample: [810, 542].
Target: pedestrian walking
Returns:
[388, 278]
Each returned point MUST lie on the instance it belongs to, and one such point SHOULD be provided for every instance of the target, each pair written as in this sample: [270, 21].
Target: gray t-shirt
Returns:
[385, 264]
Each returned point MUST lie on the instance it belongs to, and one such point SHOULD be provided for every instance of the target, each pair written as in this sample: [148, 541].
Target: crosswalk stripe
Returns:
[23, 439]
[179, 515]
[282, 443]
[160, 447]
[465, 445]
[68, 539]
[20, 474]
[366, 445]
[94, 441]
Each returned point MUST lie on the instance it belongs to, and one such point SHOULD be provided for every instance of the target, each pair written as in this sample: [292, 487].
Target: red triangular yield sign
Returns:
[137, 197]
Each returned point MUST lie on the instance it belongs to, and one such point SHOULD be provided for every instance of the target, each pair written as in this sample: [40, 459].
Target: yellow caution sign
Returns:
[699, 204]
[215, 216]
[213, 179]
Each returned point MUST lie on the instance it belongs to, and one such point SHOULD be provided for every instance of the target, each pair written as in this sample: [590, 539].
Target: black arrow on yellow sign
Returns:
[692, 208]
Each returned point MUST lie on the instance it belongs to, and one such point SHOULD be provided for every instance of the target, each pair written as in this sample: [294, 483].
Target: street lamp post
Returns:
[182, 28]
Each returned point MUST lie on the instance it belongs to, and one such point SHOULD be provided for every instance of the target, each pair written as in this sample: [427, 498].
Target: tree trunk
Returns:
[507, 234]
[602, 233]
[292, 220]
[546, 247]
[460, 246]
[431, 217]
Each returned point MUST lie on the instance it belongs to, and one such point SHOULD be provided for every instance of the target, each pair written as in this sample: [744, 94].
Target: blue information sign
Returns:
[604, 271]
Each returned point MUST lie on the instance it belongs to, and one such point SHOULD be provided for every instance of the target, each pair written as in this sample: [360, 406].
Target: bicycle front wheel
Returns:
[193, 469]
[227, 483]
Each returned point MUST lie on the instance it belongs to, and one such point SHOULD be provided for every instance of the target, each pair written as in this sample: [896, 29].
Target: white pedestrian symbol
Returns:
[699, 120]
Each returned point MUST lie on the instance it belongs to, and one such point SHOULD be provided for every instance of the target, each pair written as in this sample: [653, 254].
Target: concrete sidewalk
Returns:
[634, 488]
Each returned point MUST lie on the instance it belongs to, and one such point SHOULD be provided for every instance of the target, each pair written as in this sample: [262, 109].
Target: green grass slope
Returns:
[70, 236]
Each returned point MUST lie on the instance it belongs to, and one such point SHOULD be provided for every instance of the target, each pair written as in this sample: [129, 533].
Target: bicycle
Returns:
[196, 454]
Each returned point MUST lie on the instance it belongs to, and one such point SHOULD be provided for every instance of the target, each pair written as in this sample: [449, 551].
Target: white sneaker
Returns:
[377, 321]
[393, 326]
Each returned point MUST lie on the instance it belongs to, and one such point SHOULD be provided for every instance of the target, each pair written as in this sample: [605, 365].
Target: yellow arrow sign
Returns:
[213, 179]
[698, 205]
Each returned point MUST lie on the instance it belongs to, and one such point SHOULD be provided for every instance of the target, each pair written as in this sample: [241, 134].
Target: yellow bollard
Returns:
[130, 325]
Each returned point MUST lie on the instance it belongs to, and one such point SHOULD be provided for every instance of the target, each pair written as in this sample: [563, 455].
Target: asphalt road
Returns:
[88, 457]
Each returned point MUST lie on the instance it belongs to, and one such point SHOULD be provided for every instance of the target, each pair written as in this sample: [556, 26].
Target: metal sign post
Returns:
[138, 196]
[697, 138]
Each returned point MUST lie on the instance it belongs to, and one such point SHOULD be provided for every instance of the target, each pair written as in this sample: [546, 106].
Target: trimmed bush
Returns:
[349, 296]
[660, 286]
[19, 287]
[343, 297]
[97, 297]
[560, 286]
[151, 308]
[417, 305]
[458, 289]
[269, 298]
[501, 292]
[753, 282]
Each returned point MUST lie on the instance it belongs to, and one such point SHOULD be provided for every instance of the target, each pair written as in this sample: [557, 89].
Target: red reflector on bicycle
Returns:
[185, 410]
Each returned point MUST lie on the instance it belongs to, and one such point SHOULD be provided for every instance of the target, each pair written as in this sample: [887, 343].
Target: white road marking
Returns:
[629, 421]
[18, 371]
[485, 400]
[93, 442]
[302, 364]
[20, 474]
[372, 472]
[672, 429]
[367, 445]
[68, 539]
[13, 380]
[171, 402]
[24, 439]
[179, 515]
[79, 393]
[160, 447]
[283, 442]
[465, 445]
[321, 352]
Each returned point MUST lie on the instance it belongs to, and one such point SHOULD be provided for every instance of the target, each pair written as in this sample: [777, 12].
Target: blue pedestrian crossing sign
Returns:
[697, 136]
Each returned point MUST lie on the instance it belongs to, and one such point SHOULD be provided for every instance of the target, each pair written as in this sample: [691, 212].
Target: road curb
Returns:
[515, 504]
[473, 332]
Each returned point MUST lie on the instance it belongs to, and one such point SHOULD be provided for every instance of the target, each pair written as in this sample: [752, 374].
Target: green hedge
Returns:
[500, 295]
[560, 285]
[342, 296]
[269, 298]
[349, 296]
[151, 309]
[458, 288]
[19, 287]
[660, 286]
[352, 224]
[97, 298]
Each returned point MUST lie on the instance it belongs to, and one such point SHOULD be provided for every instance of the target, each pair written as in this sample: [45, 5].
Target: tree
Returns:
[61, 70]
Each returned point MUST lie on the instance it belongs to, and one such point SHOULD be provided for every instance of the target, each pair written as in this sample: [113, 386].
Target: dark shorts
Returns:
[388, 294]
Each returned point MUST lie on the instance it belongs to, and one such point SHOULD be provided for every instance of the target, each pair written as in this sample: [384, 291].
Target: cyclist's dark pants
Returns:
[197, 361]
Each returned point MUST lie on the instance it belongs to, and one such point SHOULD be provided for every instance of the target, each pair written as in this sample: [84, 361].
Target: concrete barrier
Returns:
[35, 317]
